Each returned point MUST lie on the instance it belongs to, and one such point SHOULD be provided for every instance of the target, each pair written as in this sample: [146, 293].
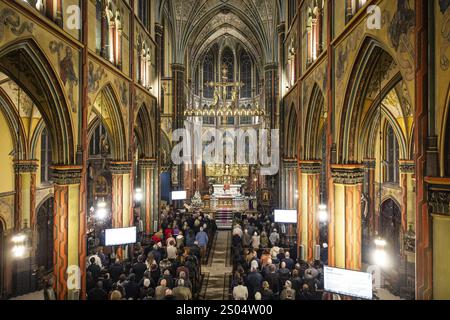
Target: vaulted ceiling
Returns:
[197, 24]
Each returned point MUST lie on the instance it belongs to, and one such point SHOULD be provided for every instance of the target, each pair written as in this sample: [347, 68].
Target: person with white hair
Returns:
[246, 239]
[256, 241]
[254, 281]
[288, 260]
[274, 238]
[182, 292]
[237, 230]
[288, 293]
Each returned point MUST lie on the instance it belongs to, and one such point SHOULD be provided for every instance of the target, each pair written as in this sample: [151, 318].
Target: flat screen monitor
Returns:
[118, 237]
[286, 216]
[349, 283]
[179, 195]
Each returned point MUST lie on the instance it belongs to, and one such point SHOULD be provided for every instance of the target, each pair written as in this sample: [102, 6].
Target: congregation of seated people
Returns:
[164, 266]
[264, 269]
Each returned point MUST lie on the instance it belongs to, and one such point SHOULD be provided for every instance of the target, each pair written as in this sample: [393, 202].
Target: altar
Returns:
[228, 197]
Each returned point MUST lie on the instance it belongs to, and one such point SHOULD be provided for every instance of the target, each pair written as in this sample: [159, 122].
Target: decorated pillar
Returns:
[348, 180]
[67, 266]
[439, 202]
[25, 197]
[424, 241]
[121, 194]
[309, 205]
[179, 103]
[407, 168]
[149, 186]
[370, 165]
[289, 184]
[271, 93]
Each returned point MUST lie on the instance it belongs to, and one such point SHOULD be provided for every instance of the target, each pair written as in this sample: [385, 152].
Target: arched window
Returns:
[353, 6]
[46, 157]
[98, 26]
[143, 12]
[314, 30]
[392, 156]
[144, 64]
[109, 31]
[228, 61]
[99, 145]
[292, 10]
[208, 74]
[246, 75]
[52, 9]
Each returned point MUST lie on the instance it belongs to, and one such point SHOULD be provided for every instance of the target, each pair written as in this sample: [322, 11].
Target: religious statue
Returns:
[365, 202]
[175, 175]
[234, 97]
[216, 97]
[104, 145]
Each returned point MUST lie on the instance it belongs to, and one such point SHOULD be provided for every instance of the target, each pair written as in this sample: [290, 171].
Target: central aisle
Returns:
[217, 272]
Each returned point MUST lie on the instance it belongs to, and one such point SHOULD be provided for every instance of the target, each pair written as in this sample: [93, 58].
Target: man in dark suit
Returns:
[254, 282]
[115, 270]
[273, 278]
[94, 269]
[97, 294]
[139, 268]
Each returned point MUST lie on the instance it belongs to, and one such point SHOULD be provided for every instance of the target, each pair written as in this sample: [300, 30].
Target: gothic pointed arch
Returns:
[373, 78]
[291, 142]
[16, 129]
[314, 125]
[107, 108]
[145, 132]
[26, 64]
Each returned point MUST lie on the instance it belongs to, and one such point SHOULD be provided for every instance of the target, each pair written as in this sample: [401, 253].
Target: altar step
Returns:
[224, 220]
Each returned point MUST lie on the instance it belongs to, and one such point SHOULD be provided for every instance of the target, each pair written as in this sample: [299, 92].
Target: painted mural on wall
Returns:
[66, 69]
[123, 92]
[10, 19]
[94, 77]
[400, 28]
[7, 210]
[343, 52]
[444, 6]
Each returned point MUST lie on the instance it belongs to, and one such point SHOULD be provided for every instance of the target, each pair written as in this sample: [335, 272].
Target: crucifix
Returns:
[221, 88]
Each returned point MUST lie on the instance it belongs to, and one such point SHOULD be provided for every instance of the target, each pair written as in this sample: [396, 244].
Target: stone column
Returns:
[25, 197]
[271, 93]
[309, 205]
[149, 186]
[348, 180]
[179, 102]
[424, 241]
[369, 166]
[67, 266]
[121, 194]
[439, 202]
[407, 169]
